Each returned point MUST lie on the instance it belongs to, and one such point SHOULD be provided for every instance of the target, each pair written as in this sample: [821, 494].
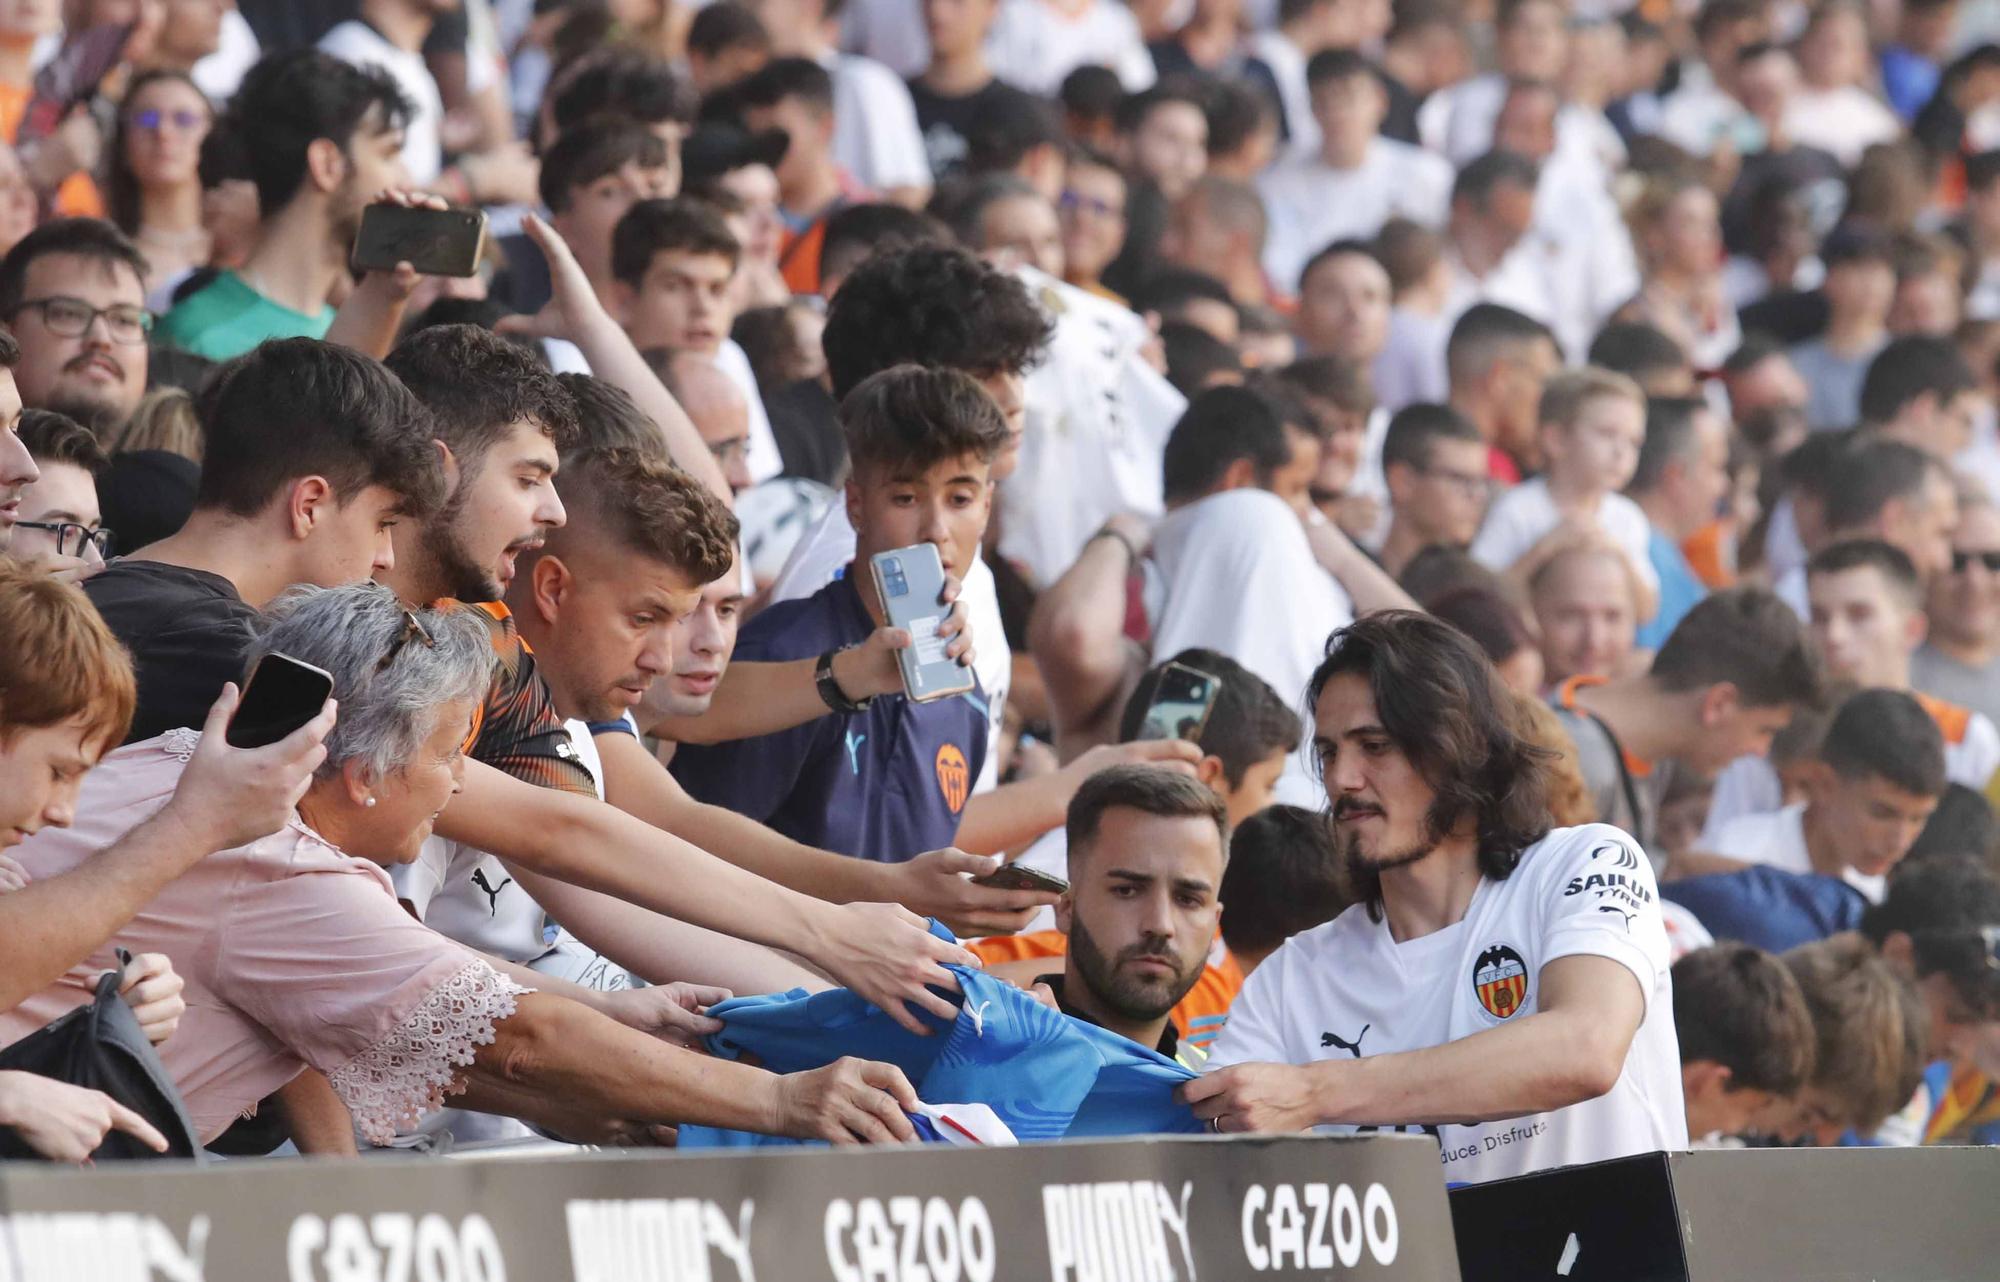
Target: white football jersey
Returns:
[1348, 989]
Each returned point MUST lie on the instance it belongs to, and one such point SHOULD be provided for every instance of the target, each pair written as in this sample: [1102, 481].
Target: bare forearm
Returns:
[50, 925]
[1367, 584]
[1077, 633]
[597, 846]
[1546, 1061]
[557, 1049]
[661, 950]
[1014, 814]
[367, 321]
[320, 1124]
[637, 784]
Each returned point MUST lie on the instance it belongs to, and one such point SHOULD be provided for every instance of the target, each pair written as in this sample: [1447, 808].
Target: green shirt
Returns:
[226, 318]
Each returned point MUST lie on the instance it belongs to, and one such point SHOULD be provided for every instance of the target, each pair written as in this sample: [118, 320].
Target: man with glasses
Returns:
[1434, 466]
[73, 294]
[717, 407]
[59, 526]
[1960, 659]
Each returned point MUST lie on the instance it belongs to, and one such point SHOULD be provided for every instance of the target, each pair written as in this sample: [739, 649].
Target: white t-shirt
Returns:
[1370, 481]
[828, 548]
[1311, 204]
[1098, 418]
[237, 50]
[1235, 574]
[1524, 515]
[1033, 45]
[1750, 786]
[875, 134]
[1843, 122]
[1778, 838]
[1348, 988]
[358, 43]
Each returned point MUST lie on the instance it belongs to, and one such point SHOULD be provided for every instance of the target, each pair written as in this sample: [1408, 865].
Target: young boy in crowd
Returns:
[58, 525]
[887, 778]
[1869, 1031]
[1814, 867]
[1722, 685]
[1867, 617]
[1746, 1037]
[1592, 425]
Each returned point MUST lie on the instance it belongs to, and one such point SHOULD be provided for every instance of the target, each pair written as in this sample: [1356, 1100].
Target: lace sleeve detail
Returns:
[393, 1083]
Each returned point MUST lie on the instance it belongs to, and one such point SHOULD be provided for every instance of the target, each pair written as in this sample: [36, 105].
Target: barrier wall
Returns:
[1165, 1210]
[1814, 1215]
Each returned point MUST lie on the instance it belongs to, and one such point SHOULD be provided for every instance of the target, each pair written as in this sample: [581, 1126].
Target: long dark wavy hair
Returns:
[1441, 703]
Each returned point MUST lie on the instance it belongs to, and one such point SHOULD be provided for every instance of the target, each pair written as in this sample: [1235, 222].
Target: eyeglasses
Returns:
[73, 539]
[1962, 561]
[1471, 484]
[413, 629]
[1076, 201]
[72, 318]
[731, 450]
[184, 120]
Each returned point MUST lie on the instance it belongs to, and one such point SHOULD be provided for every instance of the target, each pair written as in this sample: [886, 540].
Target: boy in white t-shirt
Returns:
[1501, 985]
[1592, 424]
[1879, 775]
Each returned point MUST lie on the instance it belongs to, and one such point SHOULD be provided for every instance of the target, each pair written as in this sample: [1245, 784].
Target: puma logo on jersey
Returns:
[492, 891]
[1607, 908]
[978, 1016]
[1352, 1048]
[854, 742]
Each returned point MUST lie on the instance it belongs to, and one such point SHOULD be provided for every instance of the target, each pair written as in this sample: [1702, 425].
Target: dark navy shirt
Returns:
[885, 784]
[1768, 907]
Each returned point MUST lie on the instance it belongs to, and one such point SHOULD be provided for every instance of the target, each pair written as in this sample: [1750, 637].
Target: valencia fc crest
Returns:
[1500, 981]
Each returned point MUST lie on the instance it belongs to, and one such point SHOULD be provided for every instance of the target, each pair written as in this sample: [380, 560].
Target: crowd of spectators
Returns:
[1561, 438]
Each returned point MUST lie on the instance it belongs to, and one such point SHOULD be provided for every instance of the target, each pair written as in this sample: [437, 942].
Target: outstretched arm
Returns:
[1571, 1049]
[1077, 636]
[879, 950]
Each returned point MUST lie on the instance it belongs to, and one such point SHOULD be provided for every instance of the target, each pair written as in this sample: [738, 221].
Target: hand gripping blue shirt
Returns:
[1045, 1075]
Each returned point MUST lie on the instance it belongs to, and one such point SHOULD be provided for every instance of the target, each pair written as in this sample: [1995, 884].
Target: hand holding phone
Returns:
[281, 695]
[1180, 705]
[1018, 877]
[910, 584]
[436, 242]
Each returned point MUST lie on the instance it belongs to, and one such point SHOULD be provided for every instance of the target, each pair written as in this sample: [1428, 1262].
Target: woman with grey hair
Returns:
[297, 953]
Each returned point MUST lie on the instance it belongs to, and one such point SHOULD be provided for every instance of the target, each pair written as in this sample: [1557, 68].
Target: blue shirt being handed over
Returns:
[886, 784]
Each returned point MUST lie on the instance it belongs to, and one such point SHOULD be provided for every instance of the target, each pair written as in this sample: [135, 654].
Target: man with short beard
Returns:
[73, 295]
[1146, 852]
[1493, 970]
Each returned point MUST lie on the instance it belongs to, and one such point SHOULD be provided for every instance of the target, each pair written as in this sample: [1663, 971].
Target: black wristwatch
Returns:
[830, 691]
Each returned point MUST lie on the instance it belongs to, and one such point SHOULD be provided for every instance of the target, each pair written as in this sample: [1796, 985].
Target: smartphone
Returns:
[1181, 703]
[1016, 877]
[910, 582]
[72, 77]
[437, 242]
[281, 695]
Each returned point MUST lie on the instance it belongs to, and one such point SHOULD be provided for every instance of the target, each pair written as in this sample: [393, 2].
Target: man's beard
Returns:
[103, 415]
[1123, 996]
[1363, 872]
[460, 575]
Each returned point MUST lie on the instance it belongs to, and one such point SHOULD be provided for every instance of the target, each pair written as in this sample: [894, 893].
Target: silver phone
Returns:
[909, 581]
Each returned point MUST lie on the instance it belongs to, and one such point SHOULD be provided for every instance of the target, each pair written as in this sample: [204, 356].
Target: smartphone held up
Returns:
[910, 583]
[436, 242]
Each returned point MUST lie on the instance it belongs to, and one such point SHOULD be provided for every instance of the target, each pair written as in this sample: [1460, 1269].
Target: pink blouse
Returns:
[294, 954]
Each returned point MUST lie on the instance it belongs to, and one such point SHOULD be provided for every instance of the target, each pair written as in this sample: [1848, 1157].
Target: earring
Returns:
[368, 801]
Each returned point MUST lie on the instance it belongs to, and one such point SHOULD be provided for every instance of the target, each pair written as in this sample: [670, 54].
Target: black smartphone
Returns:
[281, 695]
[1181, 704]
[437, 242]
[1015, 877]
